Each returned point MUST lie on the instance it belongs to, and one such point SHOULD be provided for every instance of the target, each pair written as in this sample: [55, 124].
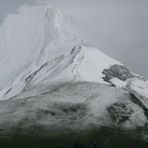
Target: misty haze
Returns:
[73, 74]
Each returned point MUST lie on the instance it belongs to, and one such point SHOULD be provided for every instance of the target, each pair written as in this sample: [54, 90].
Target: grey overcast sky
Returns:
[117, 27]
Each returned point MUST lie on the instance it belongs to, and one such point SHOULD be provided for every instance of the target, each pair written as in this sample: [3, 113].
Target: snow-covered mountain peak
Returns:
[38, 48]
[52, 79]
[92, 64]
[81, 64]
[34, 35]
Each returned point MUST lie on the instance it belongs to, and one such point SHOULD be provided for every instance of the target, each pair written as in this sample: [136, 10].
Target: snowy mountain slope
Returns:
[140, 89]
[77, 106]
[38, 46]
[32, 36]
[82, 64]
[50, 77]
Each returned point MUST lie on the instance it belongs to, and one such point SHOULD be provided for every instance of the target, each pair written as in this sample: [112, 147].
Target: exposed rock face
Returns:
[120, 113]
[117, 71]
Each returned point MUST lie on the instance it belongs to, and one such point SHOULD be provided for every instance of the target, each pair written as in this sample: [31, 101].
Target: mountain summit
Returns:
[40, 45]
[50, 77]
[33, 35]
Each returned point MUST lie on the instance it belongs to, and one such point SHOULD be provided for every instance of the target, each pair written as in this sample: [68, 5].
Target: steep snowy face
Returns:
[49, 77]
[92, 62]
[79, 105]
[38, 48]
[81, 64]
[33, 35]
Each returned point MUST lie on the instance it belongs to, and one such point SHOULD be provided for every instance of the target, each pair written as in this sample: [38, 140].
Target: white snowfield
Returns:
[31, 37]
[38, 46]
[140, 89]
[43, 62]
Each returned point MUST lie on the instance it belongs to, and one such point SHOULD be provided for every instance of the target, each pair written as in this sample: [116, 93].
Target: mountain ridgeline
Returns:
[51, 80]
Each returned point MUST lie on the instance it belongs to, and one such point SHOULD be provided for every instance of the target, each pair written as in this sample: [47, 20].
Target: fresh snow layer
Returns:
[93, 64]
[140, 89]
[118, 83]
[39, 49]
[82, 64]
[41, 58]
[77, 105]
[33, 35]
[139, 86]
[38, 46]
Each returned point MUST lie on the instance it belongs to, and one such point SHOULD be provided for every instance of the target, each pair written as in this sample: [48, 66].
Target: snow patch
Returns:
[118, 83]
[140, 89]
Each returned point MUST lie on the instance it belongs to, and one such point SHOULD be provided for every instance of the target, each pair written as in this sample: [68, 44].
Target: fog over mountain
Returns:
[55, 85]
[117, 27]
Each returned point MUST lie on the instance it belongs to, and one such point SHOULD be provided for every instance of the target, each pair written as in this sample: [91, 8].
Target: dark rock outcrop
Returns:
[119, 113]
[117, 71]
